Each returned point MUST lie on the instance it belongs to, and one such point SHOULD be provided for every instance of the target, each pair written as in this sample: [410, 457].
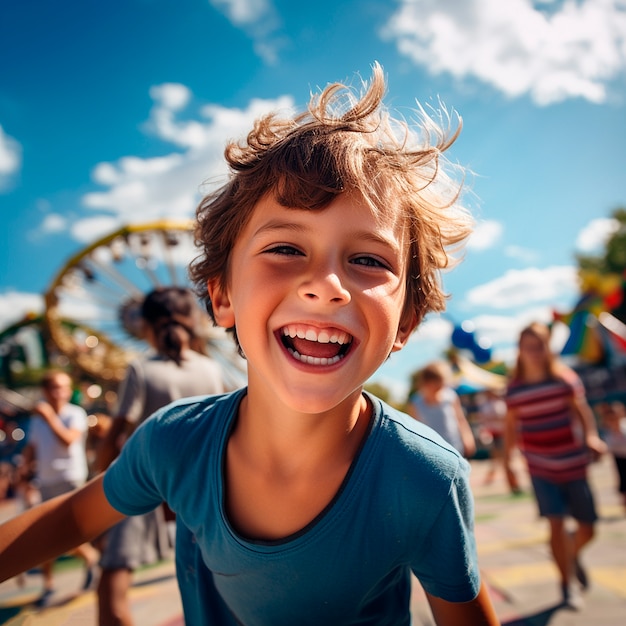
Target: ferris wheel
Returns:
[92, 307]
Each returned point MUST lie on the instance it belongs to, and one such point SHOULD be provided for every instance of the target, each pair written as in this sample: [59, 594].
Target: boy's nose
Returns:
[325, 288]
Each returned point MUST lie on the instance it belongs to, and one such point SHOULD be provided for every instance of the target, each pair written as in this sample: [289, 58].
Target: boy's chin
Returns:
[316, 402]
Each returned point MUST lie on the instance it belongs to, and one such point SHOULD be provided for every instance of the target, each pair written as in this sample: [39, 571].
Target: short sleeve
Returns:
[448, 566]
[77, 419]
[131, 481]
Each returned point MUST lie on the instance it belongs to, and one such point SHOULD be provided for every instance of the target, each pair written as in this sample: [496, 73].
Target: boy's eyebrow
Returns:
[276, 224]
[359, 235]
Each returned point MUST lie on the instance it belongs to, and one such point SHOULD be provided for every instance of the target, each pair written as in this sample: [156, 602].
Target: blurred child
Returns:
[492, 418]
[437, 405]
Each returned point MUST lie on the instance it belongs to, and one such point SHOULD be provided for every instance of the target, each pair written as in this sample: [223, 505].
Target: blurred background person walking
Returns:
[547, 410]
[176, 368]
[437, 405]
[56, 449]
[492, 419]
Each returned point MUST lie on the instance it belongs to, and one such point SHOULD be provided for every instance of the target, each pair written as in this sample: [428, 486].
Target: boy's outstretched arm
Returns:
[477, 612]
[54, 527]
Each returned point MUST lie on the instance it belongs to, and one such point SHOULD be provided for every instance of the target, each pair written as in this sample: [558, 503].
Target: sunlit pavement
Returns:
[513, 553]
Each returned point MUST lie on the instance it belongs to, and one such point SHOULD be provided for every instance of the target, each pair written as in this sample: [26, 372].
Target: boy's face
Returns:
[317, 299]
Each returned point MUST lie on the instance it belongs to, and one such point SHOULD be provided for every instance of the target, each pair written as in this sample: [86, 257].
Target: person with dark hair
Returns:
[176, 368]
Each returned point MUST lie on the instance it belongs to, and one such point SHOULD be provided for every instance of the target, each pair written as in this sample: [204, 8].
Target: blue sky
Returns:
[115, 113]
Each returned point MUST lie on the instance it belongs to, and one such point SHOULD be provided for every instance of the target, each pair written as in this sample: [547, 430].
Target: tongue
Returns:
[316, 349]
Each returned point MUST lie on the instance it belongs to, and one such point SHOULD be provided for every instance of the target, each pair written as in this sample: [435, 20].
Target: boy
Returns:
[300, 499]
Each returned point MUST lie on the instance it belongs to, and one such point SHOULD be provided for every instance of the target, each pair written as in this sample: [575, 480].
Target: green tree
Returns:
[612, 260]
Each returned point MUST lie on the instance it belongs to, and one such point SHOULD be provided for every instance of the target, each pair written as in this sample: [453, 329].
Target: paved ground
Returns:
[512, 549]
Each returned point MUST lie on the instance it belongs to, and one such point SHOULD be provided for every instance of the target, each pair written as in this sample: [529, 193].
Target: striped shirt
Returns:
[545, 429]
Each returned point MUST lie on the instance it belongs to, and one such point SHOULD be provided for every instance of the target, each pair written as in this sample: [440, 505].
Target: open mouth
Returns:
[314, 346]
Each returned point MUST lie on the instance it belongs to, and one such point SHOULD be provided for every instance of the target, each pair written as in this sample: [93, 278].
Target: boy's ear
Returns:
[221, 304]
[408, 324]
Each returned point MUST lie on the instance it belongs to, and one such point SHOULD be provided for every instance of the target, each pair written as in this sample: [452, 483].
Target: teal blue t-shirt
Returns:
[404, 506]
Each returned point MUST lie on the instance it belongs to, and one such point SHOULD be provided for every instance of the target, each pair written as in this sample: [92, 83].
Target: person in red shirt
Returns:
[547, 410]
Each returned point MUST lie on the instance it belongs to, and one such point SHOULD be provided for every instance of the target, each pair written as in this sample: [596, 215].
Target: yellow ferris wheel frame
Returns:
[99, 355]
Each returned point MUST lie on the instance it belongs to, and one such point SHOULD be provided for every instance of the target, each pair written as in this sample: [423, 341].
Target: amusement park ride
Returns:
[91, 322]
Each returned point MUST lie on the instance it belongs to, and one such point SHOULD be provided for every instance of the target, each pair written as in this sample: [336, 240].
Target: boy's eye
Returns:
[284, 249]
[369, 261]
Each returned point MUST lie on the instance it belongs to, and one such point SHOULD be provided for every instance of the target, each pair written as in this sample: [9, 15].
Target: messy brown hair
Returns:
[344, 144]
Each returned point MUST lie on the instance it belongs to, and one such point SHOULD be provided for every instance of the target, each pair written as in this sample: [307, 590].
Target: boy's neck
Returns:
[283, 468]
[277, 435]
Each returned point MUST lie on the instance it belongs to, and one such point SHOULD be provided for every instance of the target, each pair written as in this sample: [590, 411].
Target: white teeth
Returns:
[322, 336]
[313, 360]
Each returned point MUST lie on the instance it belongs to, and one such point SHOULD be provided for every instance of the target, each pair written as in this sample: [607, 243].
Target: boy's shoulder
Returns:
[194, 408]
[411, 437]
[408, 462]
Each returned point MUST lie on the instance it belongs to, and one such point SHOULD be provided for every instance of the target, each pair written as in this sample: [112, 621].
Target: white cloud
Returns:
[15, 305]
[50, 224]
[173, 96]
[258, 19]
[522, 288]
[91, 229]
[10, 159]
[526, 255]
[550, 51]
[485, 235]
[53, 223]
[433, 329]
[242, 12]
[594, 236]
[140, 190]
[503, 330]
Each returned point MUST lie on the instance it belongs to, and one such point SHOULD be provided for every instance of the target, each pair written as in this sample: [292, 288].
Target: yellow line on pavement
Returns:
[613, 578]
[511, 544]
[58, 615]
[518, 575]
